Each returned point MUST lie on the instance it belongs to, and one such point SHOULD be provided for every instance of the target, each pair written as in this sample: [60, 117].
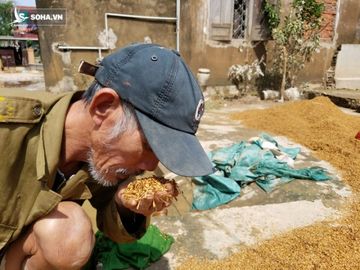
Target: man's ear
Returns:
[104, 102]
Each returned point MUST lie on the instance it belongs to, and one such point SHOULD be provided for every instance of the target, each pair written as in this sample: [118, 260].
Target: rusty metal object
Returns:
[87, 68]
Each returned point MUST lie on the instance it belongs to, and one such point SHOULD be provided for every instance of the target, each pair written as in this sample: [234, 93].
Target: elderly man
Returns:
[59, 150]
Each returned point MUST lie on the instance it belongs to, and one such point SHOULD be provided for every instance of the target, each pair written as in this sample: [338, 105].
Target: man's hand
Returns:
[151, 203]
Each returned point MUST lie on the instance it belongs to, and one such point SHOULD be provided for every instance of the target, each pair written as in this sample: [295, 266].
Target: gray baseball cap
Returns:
[167, 100]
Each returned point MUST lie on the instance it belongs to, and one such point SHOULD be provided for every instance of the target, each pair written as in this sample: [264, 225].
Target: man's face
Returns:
[115, 159]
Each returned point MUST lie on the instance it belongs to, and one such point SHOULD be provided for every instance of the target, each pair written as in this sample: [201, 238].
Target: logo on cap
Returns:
[199, 110]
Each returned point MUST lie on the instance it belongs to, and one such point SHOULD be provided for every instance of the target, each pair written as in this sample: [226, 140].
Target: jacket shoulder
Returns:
[21, 106]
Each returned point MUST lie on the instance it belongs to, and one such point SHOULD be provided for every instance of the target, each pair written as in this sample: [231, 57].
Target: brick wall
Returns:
[329, 16]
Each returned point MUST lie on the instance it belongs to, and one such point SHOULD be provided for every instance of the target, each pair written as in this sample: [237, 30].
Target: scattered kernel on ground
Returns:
[322, 127]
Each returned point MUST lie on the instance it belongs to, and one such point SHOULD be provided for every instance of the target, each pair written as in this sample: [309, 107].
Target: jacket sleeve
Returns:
[118, 223]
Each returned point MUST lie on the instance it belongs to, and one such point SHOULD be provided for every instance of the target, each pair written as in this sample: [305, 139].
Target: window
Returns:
[237, 19]
[221, 19]
[240, 18]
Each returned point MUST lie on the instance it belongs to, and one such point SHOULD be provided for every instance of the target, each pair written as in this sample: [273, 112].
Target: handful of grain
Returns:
[141, 188]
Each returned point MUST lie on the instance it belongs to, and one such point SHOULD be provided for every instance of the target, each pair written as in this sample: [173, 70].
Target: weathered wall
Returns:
[348, 30]
[219, 56]
[329, 20]
[202, 52]
[85, 27]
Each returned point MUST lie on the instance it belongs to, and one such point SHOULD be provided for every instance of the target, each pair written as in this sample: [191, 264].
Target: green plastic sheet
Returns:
[139, 254]
[245, 162]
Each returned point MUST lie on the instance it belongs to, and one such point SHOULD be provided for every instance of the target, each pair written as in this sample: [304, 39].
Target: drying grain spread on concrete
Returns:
[319, 125]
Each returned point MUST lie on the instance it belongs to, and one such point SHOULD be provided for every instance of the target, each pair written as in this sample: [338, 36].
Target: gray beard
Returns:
[99, 177]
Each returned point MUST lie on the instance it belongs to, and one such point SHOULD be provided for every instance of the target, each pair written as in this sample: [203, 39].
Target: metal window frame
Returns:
[246, 21]
[249, 21]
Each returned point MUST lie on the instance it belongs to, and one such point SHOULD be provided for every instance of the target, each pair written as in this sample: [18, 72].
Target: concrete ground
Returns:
[255, 215]
[22, 78]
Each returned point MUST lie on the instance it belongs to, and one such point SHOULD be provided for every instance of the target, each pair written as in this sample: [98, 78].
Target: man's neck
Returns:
[76, 138]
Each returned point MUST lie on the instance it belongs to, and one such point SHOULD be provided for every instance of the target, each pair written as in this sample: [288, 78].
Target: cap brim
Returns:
[178, 151]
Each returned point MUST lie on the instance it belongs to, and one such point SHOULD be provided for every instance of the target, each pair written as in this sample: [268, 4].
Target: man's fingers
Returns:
[129, 203]
[171, 189]
[161, 203]
[152, 202]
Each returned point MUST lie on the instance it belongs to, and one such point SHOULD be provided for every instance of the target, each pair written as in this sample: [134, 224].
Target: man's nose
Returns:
[149, 163]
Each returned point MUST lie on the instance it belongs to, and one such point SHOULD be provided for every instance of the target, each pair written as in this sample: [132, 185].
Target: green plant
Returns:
[29, 43]
[272, 13]
[296, 36]
[6, 18]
